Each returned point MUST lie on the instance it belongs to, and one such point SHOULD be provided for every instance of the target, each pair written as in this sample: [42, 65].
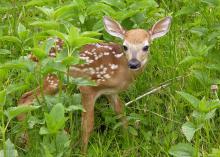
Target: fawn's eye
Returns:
[125, 47]
[145, 48]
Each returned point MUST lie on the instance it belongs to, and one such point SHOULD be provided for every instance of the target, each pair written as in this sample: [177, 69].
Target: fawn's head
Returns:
[136, 42]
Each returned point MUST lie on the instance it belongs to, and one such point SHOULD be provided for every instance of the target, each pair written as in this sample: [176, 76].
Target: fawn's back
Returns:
[106, 64]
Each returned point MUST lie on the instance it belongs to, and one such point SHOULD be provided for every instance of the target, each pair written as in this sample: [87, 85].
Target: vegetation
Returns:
[179, 120]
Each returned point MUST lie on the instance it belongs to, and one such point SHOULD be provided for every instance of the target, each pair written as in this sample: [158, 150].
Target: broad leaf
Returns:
[12, 112]
[39, 53]
[22, 31]
[132, 130]
[189, 130]
[4, 52]
[82, 81]
[70, 60]
[182, 150]
[90, 34]
[10, 150]
[46, 24]
[191, 99]
[55, 120]
[11, 39]
[58, 34]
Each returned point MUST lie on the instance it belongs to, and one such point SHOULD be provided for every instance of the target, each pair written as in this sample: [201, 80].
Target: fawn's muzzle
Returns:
[134, 64]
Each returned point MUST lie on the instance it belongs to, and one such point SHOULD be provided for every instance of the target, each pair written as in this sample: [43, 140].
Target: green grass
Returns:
[191, 49]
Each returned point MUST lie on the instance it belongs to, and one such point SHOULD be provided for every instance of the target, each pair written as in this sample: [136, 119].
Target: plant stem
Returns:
[3, 133]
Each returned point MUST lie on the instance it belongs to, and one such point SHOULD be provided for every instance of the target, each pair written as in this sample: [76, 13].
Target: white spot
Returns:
[113, 52]
[83, 54]
[97, 68]
[114, 66]
[106, 53]
[74, 68]
[119, 55]
[98, 75]
[105, 69]
[100, 55]
[107, 76]
[97, 45]
[93, 50]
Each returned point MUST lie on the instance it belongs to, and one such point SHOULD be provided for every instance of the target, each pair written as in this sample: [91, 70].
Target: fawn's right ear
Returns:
[113, 27]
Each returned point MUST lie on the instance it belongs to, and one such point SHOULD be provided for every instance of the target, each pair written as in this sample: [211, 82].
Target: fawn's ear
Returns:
[113, 27]
[160, 28]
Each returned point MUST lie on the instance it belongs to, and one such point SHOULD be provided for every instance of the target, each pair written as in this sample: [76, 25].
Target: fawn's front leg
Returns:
[88, 101]
[118, 107]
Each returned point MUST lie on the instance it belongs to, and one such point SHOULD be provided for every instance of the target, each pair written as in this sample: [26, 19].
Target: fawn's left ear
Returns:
[160, 28]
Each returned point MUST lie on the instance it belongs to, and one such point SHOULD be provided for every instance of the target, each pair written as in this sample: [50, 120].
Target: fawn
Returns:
[113, 67]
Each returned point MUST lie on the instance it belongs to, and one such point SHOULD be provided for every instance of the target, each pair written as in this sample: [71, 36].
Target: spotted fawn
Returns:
[113, 67]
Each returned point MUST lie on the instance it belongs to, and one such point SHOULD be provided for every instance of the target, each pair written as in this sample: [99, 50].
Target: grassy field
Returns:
[181, 120]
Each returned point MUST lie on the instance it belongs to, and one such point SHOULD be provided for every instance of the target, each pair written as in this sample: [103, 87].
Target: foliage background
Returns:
[163, 124]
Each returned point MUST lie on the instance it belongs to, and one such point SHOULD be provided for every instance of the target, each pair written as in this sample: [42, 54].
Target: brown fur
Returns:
[136, 36]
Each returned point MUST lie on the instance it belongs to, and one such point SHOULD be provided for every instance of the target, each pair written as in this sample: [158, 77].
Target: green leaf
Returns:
[213, 104]
[200, 31]
[10, 150]
[215, 152]
[213, 3]
[49, 44]
[210, 114]
[191, 99]
[70, 60]
[47, 152]
[186, 10]
[58, 34]
[47, 11]
[202, 107]
[22, 31]
[65, 11]
[83, 41]
[43, 131]
[182, 150]
[90, 34]
[38, 2]
[14, 65]
[83, 81]
[16, 87]
[76, 101]
[62, 141]
[55, 120]
[189, 130]
[39, 53]
[46, 24]
[132, 130]
[2, 97]
[75, 108]
[4, 52]
[12, 112]
[202, 77]
[190, 60]
[73, 35]
[33, 120]
[11, 39]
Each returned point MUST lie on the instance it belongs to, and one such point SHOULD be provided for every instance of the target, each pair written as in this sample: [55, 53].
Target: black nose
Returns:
[134, 64]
